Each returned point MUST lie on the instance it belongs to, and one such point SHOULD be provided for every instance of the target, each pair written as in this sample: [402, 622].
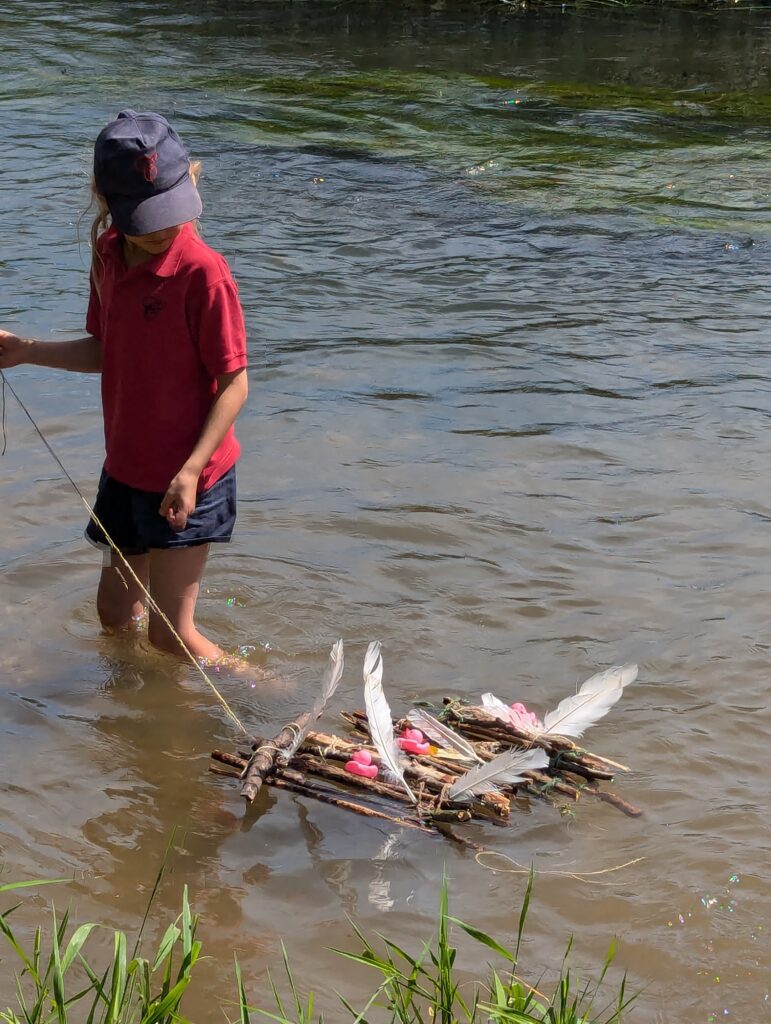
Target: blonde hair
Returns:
[101, 222]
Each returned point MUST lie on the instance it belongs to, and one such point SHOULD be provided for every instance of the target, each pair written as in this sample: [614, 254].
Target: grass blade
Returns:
[485, 939]
[243, 1005]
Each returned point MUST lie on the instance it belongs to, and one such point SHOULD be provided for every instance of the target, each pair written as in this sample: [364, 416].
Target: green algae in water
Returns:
[690, 157]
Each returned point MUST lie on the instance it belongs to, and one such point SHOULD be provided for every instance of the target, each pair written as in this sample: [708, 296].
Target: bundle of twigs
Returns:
[571, 770]
[317, 769]
[477, 761]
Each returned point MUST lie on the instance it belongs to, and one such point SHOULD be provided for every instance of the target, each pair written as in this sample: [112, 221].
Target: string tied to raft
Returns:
[116, 550]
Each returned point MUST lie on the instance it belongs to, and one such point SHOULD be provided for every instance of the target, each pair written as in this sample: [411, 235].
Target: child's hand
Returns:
[13, 350]
[179, 500]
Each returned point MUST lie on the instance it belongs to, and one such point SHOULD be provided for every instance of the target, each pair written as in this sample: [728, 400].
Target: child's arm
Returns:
[179, 501]
[81, 354]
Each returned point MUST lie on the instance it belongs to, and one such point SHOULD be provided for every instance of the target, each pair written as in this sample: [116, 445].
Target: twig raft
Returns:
[469, 767]
[317, 770]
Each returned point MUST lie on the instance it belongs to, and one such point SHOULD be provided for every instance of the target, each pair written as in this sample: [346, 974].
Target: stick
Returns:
[588, 758]
[505, 740]
[326, 769]
[295, 783]
[551, 782]
[263, 760]
[285, 780]
[564, 762]
[466, 717]
[230, 759]
[450, 816]
[417, 770]
[614, 800]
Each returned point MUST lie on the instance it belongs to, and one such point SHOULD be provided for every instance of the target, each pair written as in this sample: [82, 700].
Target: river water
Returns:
[506, 284]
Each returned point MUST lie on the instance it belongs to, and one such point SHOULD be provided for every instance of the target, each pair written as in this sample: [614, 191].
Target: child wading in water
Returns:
[166, 332]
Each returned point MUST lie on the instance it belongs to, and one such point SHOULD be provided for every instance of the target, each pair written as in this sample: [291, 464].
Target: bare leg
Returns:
[119, 600]
[175, 580]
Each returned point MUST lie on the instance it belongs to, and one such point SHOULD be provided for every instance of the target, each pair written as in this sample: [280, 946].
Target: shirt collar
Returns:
[164, 265]
[167, 264]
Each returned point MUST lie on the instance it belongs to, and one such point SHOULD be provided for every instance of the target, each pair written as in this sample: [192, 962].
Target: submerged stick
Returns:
[608, 797]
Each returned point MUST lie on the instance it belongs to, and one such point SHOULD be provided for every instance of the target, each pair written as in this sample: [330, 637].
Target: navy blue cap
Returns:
[142, 169]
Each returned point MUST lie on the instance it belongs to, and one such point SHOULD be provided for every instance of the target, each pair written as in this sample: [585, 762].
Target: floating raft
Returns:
[317, 769]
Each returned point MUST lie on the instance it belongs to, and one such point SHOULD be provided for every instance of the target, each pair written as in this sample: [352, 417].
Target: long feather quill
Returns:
[504, 770]
[381, 727]
[329, 683]
[444, 737]
[573, 716]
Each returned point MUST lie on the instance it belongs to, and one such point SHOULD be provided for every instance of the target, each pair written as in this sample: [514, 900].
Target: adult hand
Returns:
[13, 350]
[179, 500]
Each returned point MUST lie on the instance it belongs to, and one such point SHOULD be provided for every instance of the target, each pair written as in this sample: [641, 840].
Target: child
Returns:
[166, 331]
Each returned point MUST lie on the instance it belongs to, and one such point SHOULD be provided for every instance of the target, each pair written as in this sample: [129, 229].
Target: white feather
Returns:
[504, 770]
[381, 727]
[329, 683]
[439, 733]
[573, 716]
[495, 706]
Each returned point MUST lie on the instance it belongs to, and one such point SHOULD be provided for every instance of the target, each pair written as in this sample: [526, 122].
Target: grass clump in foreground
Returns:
[59, 985]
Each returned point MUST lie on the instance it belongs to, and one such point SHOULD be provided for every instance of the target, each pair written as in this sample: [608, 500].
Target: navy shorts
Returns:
[132, 519]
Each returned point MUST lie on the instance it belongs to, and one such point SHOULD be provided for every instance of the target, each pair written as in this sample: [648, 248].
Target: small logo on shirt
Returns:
[147, 165]
[152, 307]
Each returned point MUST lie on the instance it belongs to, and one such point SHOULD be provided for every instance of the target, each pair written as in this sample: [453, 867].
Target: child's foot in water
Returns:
[239, 666]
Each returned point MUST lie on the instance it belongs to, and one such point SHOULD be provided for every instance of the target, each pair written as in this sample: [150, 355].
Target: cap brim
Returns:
[176, 205]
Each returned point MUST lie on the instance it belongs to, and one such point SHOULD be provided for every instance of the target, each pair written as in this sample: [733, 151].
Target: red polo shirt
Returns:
[168, 327]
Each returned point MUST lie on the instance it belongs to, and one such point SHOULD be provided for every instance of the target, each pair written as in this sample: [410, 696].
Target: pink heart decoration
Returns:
[366, 771]
[411, 746]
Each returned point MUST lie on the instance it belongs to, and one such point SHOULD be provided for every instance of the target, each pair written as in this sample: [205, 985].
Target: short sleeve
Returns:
[217, 323]
[94, 314]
